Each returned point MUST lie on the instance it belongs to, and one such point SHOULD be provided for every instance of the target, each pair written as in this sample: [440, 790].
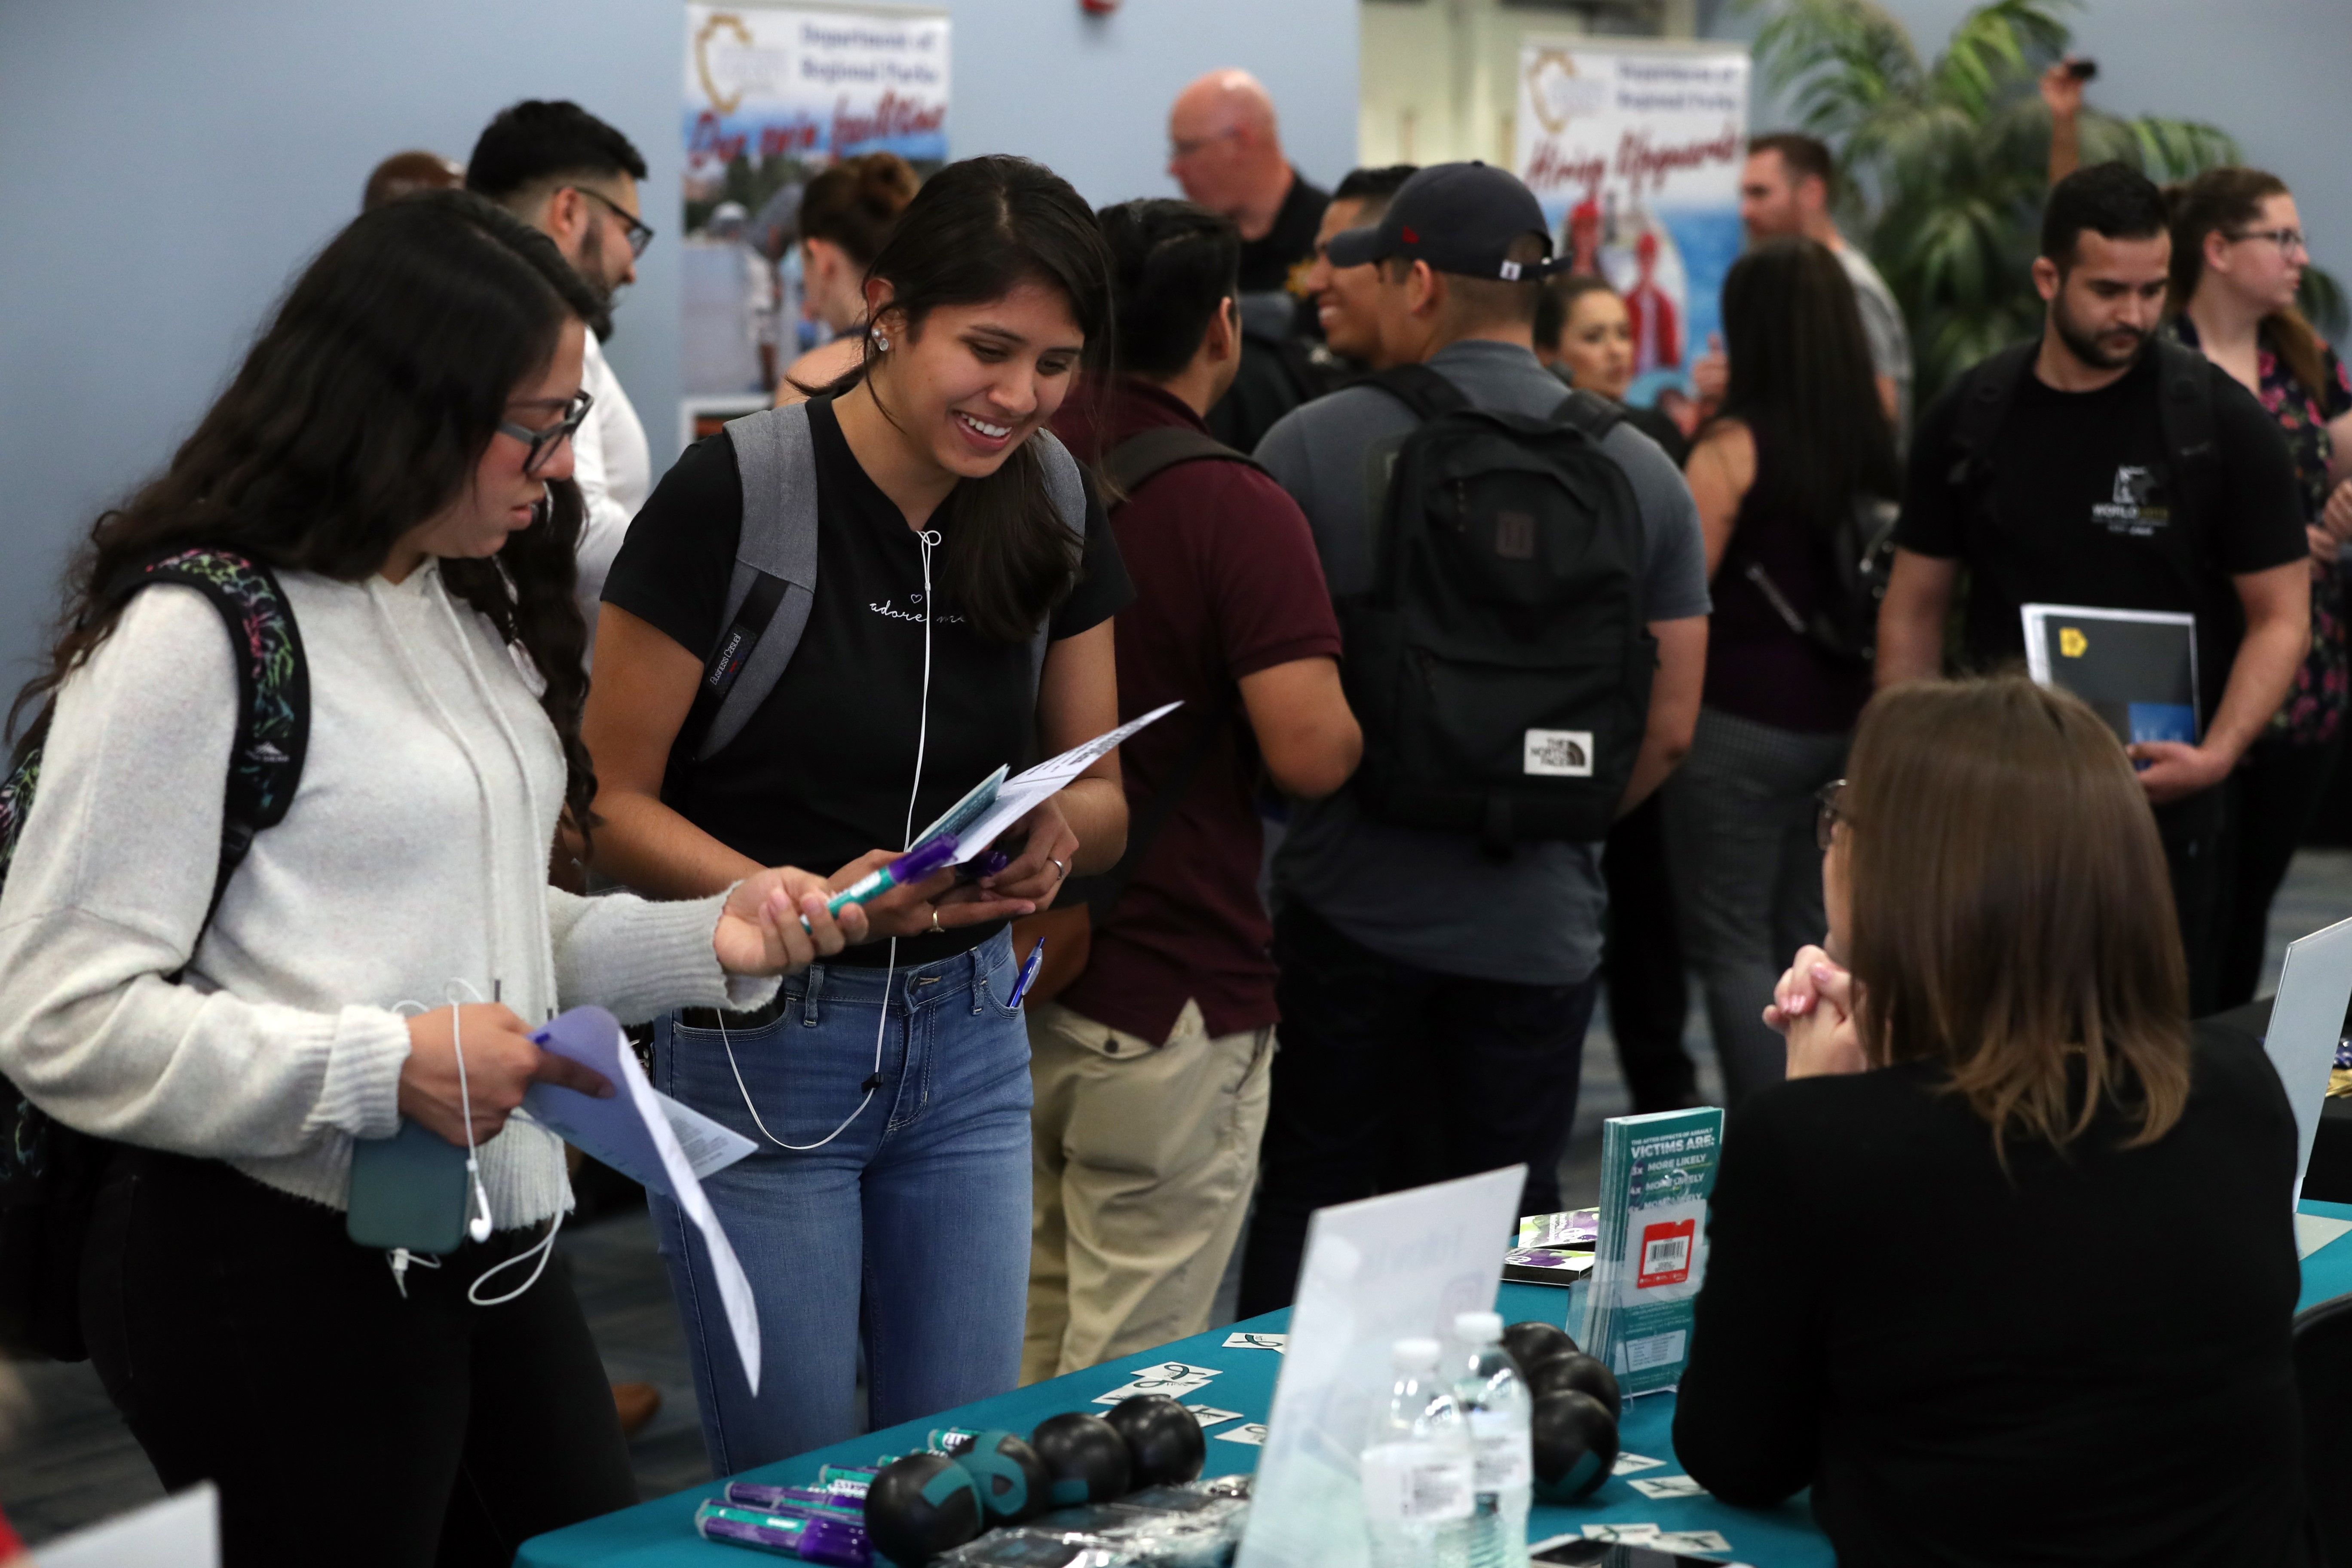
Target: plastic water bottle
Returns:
[1418, 1469]
[1493, 1395]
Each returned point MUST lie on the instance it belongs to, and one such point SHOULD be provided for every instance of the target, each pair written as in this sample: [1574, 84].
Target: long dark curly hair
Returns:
[361, 411]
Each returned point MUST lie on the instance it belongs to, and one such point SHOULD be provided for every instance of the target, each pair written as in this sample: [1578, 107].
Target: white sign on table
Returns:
[1387, 1269]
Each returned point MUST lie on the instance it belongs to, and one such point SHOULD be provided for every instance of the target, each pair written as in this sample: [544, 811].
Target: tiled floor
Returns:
[78, 1463]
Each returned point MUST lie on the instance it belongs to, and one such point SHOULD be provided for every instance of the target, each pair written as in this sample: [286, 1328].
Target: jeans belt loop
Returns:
[979, 975]
[815, 982]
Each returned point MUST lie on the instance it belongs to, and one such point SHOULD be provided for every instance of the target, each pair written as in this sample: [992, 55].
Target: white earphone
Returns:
[927, 540]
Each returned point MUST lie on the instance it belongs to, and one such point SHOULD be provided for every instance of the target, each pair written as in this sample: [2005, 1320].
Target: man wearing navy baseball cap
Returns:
[1395, 938]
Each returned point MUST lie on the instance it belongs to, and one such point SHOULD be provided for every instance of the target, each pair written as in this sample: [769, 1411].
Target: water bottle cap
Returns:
[1410, 1354]
[1478, 1328]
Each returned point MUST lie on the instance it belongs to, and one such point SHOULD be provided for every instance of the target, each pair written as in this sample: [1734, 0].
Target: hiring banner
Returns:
[1635, 153]
[774, 94]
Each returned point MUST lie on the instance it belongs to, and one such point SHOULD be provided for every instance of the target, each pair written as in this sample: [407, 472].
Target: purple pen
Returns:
[835, 1542]
[795, 1499]
[912, 866]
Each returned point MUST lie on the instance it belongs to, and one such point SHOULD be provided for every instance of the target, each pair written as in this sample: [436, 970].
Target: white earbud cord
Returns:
[478, 1227]
[926, 540]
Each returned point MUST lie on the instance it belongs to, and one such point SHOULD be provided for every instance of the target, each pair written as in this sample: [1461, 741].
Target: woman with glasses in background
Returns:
[390, 469]
[2237, 263]
[1944, 1279]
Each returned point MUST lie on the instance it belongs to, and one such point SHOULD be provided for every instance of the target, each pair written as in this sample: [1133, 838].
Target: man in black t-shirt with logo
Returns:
[2056, 474]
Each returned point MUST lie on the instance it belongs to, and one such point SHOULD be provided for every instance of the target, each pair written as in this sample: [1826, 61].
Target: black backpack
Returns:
[2184, 404]
[1861, 550]
[1500, 662]
[49, 1172]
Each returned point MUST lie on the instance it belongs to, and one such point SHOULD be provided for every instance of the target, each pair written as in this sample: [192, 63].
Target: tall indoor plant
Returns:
[1946, 160]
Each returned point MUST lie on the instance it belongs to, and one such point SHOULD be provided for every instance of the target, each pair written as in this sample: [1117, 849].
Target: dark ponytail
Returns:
[2230, 198]
[360, 412]
[975, 232]
[854, 203]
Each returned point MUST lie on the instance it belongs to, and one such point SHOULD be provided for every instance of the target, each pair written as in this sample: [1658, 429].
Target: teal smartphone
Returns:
[408, 1190]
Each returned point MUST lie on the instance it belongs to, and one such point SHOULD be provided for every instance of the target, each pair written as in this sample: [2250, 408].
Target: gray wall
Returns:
[2270, 72]
[166, 165]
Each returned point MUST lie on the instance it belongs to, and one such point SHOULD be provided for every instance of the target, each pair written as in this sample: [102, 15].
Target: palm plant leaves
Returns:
[1945, 162]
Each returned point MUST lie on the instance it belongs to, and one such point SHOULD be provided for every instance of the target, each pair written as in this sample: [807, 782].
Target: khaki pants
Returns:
[1143, 1159]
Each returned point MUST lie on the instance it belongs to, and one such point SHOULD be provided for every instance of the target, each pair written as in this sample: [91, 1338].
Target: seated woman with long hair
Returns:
[2005, 1271]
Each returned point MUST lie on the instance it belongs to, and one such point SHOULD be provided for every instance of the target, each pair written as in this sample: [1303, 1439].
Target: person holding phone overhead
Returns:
[390, 475]
[957, 619]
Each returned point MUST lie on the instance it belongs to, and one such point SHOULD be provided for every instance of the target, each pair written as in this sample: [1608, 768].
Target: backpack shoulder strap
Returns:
[1147, 452]
[273, 686]
[774, 581]
[2191, 437]
[1067, 488]
[1424, 391]
[1589, 412]
[1987, 391]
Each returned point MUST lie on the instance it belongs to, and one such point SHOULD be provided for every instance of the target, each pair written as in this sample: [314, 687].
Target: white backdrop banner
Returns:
[774, 94]
[1636, 153]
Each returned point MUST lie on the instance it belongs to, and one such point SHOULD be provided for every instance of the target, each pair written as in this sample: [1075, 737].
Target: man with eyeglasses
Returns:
[2103, 465]
[1225, 151]
[560, 168]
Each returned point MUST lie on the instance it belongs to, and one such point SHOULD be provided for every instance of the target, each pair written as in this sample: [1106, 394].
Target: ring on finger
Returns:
[937, 929]
[1064, 870]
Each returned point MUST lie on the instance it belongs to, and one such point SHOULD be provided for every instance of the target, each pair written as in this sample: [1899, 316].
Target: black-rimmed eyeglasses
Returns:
[542, 443]
[1830, 801]
[641, 233]
[2288, 240]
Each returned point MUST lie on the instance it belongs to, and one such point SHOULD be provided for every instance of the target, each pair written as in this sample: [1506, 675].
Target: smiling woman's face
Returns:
[977, 380]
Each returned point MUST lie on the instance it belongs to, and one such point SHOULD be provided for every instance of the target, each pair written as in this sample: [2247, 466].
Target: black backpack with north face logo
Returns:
[1500, 661]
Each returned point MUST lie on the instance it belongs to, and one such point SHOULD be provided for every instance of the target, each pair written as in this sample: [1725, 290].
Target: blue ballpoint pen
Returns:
[1028, 973]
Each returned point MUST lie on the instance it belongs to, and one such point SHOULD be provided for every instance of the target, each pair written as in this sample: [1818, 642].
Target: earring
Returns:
[881, 343]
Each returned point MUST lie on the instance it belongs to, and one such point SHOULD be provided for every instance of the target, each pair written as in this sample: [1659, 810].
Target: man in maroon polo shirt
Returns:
[1150, 1069]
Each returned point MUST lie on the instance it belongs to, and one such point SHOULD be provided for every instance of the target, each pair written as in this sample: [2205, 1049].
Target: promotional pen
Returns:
[1028, 973]
[912, 866]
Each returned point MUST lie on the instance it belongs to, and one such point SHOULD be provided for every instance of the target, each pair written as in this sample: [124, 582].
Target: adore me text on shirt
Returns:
[823, 769]
[2086, 510]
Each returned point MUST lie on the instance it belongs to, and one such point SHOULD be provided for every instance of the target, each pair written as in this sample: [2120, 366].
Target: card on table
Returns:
[1689, 1541]
[1173, 1378]
[1668, 1486]
[1257, 1342]
[1628, 1463]
[1629, 1534]
[1253, 1435]
[1209, 1416]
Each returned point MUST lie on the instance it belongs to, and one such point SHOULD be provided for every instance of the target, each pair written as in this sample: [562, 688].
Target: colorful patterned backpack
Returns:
[49, 1172]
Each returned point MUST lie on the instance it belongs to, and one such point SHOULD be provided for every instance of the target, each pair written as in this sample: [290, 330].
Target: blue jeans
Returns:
[911, 1227]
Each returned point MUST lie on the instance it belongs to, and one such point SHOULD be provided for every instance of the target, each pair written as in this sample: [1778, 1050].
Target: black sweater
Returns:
[2085, 1362]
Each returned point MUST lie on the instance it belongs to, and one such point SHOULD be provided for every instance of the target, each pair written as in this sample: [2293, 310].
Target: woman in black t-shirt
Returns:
[957, 624]
[1943, 1280]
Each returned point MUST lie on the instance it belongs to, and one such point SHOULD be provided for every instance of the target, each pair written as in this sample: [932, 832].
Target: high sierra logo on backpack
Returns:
[1500, 662]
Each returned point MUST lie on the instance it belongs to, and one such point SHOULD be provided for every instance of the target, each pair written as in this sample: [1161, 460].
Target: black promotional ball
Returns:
[1575, 1443]
[1581, 1372]
[1531, 1342]
[1162, 1437]
[1013, 1481]
[1085, 1456]
[920, 1506]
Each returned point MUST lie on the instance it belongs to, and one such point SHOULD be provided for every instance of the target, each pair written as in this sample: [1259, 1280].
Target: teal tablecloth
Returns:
[660, 1534]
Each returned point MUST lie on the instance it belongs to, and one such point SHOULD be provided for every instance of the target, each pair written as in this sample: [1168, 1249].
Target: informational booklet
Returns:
[996, 802]
[2137, 669]
[1656, 1173]
[1553, 1248]
[637, 1133]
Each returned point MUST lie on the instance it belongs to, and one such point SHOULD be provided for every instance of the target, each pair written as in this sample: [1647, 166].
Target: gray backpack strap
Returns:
[774, 581]
[1067, 489]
